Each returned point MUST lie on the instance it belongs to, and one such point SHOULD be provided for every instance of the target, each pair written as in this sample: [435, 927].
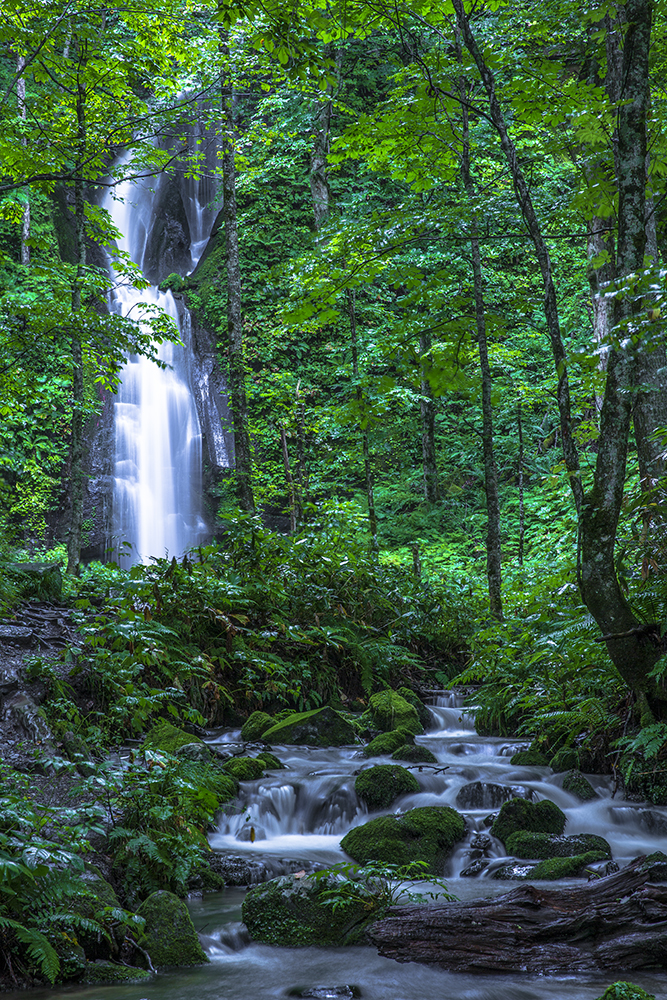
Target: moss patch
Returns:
[575, 783]
[389, 711]
[556, 868]
[520, 814]
[379, 786]
[625, 991]
[167, 738]
[270, 762]
[169, 936]
[529, 758]
[425, 834]
[414, 754]
[107, 972]
[255, 726]
[386, 743]
[324, 727]
[566, 759]
[524, 844]
[244, 768]
[420, 708]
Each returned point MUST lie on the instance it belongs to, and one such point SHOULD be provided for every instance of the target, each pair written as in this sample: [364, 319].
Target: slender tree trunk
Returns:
[522, 520]
[289, 478]
[633, 646]
[493, 547]
[427, 407]
[23, 114]
[368, 471]
[301, 472]
[237, 389]
[319, 174]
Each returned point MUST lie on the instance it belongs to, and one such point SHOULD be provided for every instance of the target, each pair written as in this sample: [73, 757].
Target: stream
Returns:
[299, 816]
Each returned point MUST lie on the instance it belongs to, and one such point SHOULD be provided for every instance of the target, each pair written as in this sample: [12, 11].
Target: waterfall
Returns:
[157, 478]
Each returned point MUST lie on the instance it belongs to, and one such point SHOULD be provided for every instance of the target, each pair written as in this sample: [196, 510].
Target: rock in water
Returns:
[255, 726]
[324, 728]
[378, 786]
[422, 711]
[486, 795]
[424, 834]
[387, 743]
[291, 911]
[518, 814]
[389, 711]
[539, 846]
[575, 783]
[169, 935]
[625, 991]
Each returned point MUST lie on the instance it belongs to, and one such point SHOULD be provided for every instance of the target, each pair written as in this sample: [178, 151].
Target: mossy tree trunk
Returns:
[427, 407]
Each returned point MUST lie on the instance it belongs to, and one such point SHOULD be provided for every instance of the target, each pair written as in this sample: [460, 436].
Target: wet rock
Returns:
[422, 711]
[625, 991]
[486, 795]
[519, 814]
[167, 738]
[255, 726]
[388, 710]
[379, 786]
[239, 870]
[513, 872]
[480, 842]
[575, 783]
[197, 753]
[386, 743]
[424, 834]
[9, 679]
[527, 845]
[556, 868]
[107, 972]
[529, 758]
[169, 936]
[16, 633]
[326, 992]
[22, 710]
[475, 869]
[291, 911]
[324, 727]
[270, 762]
[244, 768]
[655, 864]
[414, 754]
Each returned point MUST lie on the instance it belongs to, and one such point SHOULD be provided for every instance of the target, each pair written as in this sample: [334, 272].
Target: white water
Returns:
[157, 500]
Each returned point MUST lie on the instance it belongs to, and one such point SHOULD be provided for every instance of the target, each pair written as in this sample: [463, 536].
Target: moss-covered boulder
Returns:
[520, 814]
[291, 911]
[424, 834]
[379, 786]
[270, 762]
[107, 972]
[420, 708]
[388, 710]
[255, 726]
[386, 743]
[529, 758]
[575, 783]
[565, 759]
[244, 768]
[167, 738]
[99, 893]
[324, 728]
[414, 754]
[524, 844]
[169, 935]
[626, 991]
[556, 868]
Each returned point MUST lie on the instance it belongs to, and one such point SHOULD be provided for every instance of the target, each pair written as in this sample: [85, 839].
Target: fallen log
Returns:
[616, 923]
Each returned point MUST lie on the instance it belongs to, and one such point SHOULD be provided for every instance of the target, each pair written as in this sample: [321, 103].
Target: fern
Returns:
[38, 948]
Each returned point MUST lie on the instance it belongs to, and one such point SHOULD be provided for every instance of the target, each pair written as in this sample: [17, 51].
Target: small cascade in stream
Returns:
[157, 497]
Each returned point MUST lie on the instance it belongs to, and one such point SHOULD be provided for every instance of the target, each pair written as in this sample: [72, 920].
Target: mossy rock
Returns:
[386, 743]
[529, 758]
[255, 726]
[270, 762]
[100, 894]
[565, 759]
[414, 754]
[389, 710]
[107, 972]
[526, 845]
[197, 753]
[290, 912]
[245, 768]
[424, 834]
[656, 864]
[169, 935]
[575, 783]
[520, 814]
[379, 786]
[324, 728]
[167, 738]
[625, 991]
[555, 868]
[422, 711]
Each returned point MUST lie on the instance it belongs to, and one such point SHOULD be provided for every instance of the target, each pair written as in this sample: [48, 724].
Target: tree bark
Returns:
[618, 922]
[319, 176]
[289, 479]
[23, 114]
[427, 407]
[237, 388]
[522, 519]
[363, 427]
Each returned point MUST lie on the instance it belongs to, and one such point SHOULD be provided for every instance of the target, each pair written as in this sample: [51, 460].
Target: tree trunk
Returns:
[289, 479]
[23, 114]
[522, 520]
[363, 427]
[318, 176]
[237, 390]
[427, 406]
[618, 922]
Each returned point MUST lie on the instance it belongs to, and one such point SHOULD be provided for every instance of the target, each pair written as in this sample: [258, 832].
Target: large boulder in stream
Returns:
[425, 834]
[576, 784]
[537, 817]
[255, 726]
[420, 708]
[169, 935]
[487, 795]
[388, 710]
[381, 785]
[387, 743]
[323, 728]
[292, 911]
[525, 844]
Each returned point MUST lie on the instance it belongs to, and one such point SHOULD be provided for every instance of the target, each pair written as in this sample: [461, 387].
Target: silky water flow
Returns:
[157, 500]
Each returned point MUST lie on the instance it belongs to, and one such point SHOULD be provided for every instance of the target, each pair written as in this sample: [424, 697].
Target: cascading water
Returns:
[157, 500]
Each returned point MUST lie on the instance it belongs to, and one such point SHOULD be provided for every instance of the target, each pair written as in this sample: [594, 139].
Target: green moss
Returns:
[420, 708]
[524, 844]
[556, 868]
[255, 726]
[379, 786]
[520, 814]
[529, 758]
[576, 784]
[290, 912]
[389, 711]
[172, 283]
[425, 834]
[324, 727]
[270, 762]
[245, 768]
[566, 759]
[625, 991]
[169, 936]
[414, 754]
[163, 736]
[386, 743]
[107, 972]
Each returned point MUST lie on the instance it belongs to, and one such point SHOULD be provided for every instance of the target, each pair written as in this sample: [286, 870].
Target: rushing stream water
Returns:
[300, 815]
